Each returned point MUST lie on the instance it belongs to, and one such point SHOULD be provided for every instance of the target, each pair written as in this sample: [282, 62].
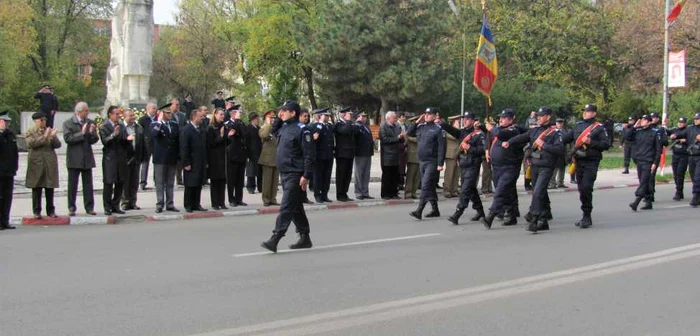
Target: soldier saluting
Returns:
[646, 155]
[432, 146]
[691, 134]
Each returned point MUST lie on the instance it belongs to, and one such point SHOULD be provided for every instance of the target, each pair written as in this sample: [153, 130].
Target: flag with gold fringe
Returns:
[486, 66]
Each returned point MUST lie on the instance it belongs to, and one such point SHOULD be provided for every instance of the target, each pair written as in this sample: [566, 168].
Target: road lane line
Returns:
[603, 268]
[323, 247]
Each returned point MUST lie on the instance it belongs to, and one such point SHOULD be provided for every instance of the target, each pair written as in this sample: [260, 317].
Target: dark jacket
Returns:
[511, 156]
[216, 152]
[432, 144]
[345, 139]
[237, 149]
[599, 141]
[188, 107]
[296, 152]
[389, 144]
[166, 143]
[113, 153]
[477, 143]
[364, 144]
[136, 150]
[647, 145]
[8, 153]
[326, 141]
[625, 132]
[145, 123]
[550, 153]
[47, 102]
[79, 153]
[690, 133]
[218, 103]
[679, 148]
[193, 151]
[254, 142]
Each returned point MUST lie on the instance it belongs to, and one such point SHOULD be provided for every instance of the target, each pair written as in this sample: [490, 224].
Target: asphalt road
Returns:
[374, 271]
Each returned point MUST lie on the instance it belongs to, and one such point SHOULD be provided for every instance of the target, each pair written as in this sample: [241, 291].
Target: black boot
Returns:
[647, 206]
[435, 212]
[543, 224]
[418, 213]
[454, 219]
[271, 244]
[677, 196]
[635, 204]
[530, 218]
[509, 219]
[585, 222]
[695, 201]
[479, 215]
[304, 242]
[548, 215]
[532, 227]
[488, 220]
[626, 171]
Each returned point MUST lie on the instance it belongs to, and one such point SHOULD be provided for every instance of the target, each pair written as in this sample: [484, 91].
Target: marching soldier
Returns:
[679, 162]
[691, 135]
[345, 131]
[647, 153]
[323, 136]
[451, 184]
[590, 140]
[412, 166]
[295, 160]
[472, 146]
[628, 146]
[663, 134]
[431, 153]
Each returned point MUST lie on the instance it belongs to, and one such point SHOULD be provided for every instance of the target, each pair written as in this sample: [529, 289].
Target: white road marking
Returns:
[678, 206]
[330, 321]
[366, 242]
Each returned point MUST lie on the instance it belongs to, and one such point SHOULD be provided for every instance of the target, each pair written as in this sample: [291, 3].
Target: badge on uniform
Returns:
[307, 137]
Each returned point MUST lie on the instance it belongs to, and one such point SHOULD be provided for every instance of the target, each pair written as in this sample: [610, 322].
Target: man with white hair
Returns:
[390, 135]
[80, 133]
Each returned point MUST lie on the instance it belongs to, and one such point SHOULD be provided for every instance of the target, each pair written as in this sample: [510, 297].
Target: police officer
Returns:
[472, 146]
[547, 148]
[345, 131]
[506, 162]
[237, 155]
[627, 144]
[295, 160]
[590, 140]
[324, 139]
[691, 135]
[647, 153]
[663, 134]
[679, 162]
[412, 166]
[8, 169]
[432, 145]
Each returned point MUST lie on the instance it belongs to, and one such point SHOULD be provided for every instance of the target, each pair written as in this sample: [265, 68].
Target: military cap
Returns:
[468, 115]
[359, 113]
[647, 117]
[321, 111]
[653, 115]
[268, 112]
[236, 107]
[590, 108]
[291, 105]
[431, 110]
[230, 99]
[345, 109]
[697, 116]
[165, 106]
[632, 118]
[682, 120]
[544, 110]
[253, 116]
[560, 120]
[5, 115]
[219, 92]
[508, 113]
[38, 115]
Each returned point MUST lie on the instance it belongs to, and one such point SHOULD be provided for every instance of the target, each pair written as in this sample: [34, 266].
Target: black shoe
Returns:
[216, 207]
[415, 214]
[266, 204]
[510, 221]
[274, 202]
[173, 209]
[543, 224]
[126, 207]
[91, 212]
[232, 204]
[307, 201]
[370, 197]
[242, 204]
[695, 201]
[433, 213]
[634, 205]
[159, 210]
[304, 242]
[37, 216]
[271, 244]
[108, 212]
[479, 215]
[530, 218]
[6, 226]
[585, 222]
[117, 211]
[327, 200]
[626, 171]
[319, 200]
[678, 196]
[500, 216]
[359, 198]
[454, 219]
[548, 215]
[200, 208]
[647, 206]
[532, 227]
[488, 220]
[189, 210]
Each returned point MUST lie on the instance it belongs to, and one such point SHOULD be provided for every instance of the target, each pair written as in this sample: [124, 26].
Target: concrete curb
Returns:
[102, 220]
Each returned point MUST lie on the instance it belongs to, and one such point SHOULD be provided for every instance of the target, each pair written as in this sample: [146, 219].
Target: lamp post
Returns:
[455, 10]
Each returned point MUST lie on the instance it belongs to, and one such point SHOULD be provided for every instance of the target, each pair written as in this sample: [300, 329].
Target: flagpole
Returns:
[664, 107]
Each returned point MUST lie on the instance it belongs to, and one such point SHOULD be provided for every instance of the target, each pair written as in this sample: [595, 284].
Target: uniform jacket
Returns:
[166, 143]
[599, 141]
[432, 142]
[218, 103]
[345, 139]
[679, 148]
[8, 153]
[625, 132]
[647, 145]
[389, 144]
[296, 152]
[268, 155]
[326, 141]
[145, 123]
[188, 106]
[690, 133]
[412, 150]
[193, 152]
[452, 147]
[477, 143]
[79, 153]
[113, 152]
[552, 150]
[511, 156]
[47, 102]
[136, 149]
[364, 144]
[42, 163]
[216, 152]
[237, 148]
[254, 142]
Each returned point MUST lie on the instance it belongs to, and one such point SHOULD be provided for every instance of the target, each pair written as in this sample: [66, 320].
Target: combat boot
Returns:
[532, 227]
[647, 206]
[585, 222]
[271, 244]
[454, 219]
[304, 242]
[530, 218]
[418, 213]
[548, 215]
[626, 171]
[435, 212]
[695, 201]
[479, 215]
[678, 196]
[635, 204]
[543, 224]
[488, 220]
[509, 219]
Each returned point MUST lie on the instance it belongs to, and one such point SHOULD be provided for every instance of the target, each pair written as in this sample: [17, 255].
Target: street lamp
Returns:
[455, 10]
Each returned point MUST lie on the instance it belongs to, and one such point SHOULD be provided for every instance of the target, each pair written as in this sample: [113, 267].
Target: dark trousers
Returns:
[628, 154]
[486, 178]
[540, 197]
[322, 177]
[145, 165]
[428, 181]
[192, 198]
[343, 176]
[49, 118]
[36, 200]
[390, 181]
[131, 185]
[694, 166]
[505, 179]
[88, 191]
[586, 174]
[7, 185]
[235, 173]
[112, 195]
[644, 174]
[679, 163]
[470, 178]
[254, 181]
[217, 192]
[291, 207]
[178, 173]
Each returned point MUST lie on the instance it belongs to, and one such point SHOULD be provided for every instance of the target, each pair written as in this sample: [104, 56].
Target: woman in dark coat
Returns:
[216, 154]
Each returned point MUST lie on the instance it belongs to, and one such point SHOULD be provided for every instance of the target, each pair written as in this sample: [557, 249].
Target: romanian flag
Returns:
[675, 11]
[486, 67]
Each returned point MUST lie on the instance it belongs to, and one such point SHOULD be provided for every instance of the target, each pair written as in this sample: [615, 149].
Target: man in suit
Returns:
[345, 131]
[253, 169]
[135, 152]
[181, 120]
[145, 123]
[166, 154]
[364, 150]
[48, 103]
[8, 169]
[323, 137]
[193, 147]
[114, 142]
[80, 133]
[390, 135]
[237, 152]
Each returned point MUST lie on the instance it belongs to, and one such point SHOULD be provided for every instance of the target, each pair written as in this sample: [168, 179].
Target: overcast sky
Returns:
[164, 11]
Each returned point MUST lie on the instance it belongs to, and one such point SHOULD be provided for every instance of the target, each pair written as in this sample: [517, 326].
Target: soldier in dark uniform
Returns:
[295, 160]
[646, 155]
[114, 166]
[691, 135]
[472, 146]
[48, 103]
[8, 169]
[345, 131]
[505, 162]
[305, 119]
[219, 102]
[253, 169]
[166, 152]
[237, 152]
[547, 149]
[679, 162]
[364, 150]
[188, 106]
[628, 146]
[323, 136]
[663, 134]
[590, 140]
[432, 146]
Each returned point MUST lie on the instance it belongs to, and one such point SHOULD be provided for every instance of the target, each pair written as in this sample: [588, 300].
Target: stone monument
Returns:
[131, 60]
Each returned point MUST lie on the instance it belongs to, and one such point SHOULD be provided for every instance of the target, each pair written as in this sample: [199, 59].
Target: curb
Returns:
[106, 220]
